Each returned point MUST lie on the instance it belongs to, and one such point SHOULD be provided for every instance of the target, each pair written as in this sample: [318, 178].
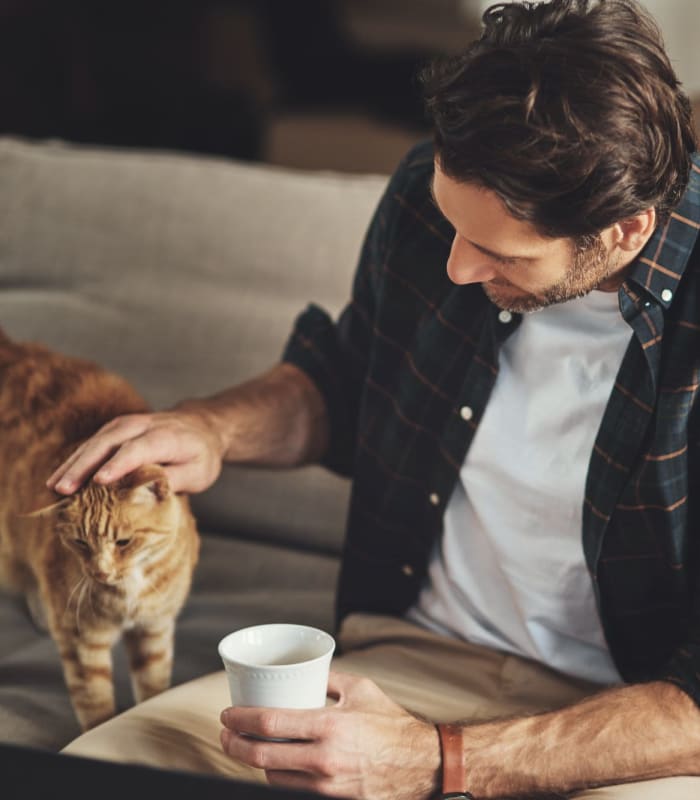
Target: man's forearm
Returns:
[632, 733]
[278, 419]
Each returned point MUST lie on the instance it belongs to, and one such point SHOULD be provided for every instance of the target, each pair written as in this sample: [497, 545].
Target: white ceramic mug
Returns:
[278, 665]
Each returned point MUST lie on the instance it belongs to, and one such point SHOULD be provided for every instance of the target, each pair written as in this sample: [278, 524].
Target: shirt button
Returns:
[407, 570]
[466, 413]
[666, 295]
[435, 499]
[504, 316]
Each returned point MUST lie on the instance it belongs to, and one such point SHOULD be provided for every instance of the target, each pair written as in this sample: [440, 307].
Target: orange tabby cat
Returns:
[107, 561]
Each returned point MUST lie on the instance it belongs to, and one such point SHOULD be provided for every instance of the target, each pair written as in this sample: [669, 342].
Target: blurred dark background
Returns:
[306, 83]
[311, 83]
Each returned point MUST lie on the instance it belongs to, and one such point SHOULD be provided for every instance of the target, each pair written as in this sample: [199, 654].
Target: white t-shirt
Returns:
[509, 571]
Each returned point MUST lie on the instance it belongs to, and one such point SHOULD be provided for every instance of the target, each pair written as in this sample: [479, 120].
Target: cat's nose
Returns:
[101, 576]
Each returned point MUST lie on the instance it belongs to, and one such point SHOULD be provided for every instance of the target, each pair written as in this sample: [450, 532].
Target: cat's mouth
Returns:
[105, 580]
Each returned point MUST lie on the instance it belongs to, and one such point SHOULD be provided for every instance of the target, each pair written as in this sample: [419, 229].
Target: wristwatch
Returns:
[453, 773]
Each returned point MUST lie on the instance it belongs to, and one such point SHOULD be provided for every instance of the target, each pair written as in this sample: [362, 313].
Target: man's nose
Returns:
[466, 264]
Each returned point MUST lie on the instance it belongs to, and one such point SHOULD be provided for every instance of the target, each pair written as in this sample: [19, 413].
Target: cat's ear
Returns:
[147, 485]
[51, 510]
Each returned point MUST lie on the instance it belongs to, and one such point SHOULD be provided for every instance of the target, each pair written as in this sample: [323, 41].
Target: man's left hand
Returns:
[364, 746]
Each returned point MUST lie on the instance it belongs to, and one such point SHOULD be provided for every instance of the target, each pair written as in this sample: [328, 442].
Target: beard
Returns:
[591, 265]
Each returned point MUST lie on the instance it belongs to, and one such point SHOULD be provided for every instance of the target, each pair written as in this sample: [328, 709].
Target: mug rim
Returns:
[324, 635]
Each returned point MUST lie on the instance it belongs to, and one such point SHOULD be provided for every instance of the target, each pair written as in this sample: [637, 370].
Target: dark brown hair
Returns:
[569, 110]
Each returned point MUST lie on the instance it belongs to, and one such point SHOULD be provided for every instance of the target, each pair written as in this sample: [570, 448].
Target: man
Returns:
[513, 391]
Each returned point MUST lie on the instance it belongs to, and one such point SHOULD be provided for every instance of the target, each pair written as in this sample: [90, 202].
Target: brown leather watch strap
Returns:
[454, 776]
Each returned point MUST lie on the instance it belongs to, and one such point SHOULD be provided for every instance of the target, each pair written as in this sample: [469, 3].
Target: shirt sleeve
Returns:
[683, 668]
[336, 354]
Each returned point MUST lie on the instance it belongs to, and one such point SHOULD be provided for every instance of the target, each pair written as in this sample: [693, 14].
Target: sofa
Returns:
[184, 274]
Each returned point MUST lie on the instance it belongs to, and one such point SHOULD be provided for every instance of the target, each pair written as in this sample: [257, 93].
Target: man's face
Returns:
[519, 269]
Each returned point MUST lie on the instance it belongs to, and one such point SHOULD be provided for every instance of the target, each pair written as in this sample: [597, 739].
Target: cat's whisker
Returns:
[86, 584]
[70, 596]
[150, 584]
[90, 587]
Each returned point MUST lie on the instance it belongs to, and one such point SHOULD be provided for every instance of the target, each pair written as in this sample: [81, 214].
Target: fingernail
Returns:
[225, 738]
[224, 716]
[64, 486]
[103, 476]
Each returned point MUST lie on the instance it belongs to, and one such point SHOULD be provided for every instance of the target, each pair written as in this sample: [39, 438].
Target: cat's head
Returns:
[116, 529]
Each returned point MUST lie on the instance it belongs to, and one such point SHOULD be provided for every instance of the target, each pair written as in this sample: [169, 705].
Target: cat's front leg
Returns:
[150, 650]
[87, 668]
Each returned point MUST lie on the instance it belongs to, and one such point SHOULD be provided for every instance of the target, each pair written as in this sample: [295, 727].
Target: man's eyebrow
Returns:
[480, 248]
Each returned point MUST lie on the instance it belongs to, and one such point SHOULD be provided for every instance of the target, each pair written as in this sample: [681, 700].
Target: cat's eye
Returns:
[123, 542]
[82, 544]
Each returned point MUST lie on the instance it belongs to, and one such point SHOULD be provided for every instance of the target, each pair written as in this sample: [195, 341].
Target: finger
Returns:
[95, 451]
[61, 470]
[153, 443]
[275, 723]
[79, 467]
[130, 456]
[286, 756]
[76, 455]
[187, 478]
[179, 479]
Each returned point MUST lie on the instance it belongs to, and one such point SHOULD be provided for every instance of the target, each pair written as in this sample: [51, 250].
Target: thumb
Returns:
[189, 477]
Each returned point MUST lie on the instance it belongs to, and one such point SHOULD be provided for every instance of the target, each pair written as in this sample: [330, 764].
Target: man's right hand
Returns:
[276, 420]
[185, 442]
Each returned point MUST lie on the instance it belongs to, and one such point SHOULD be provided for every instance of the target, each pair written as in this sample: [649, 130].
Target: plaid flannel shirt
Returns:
[406, 373]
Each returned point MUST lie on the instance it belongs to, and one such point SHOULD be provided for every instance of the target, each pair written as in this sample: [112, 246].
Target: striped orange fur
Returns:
[107, 562]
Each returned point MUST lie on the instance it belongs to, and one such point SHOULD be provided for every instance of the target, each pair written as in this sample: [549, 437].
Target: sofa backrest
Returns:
[184, 274]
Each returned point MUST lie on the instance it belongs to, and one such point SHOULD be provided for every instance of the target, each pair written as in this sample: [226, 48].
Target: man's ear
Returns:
[634, 232]
[50, 510]
[147, 485]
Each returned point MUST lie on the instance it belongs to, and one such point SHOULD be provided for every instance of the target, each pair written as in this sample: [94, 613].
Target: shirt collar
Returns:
[660, 266]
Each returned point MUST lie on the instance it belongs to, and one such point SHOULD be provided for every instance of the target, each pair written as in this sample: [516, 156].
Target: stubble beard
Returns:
[590, 266]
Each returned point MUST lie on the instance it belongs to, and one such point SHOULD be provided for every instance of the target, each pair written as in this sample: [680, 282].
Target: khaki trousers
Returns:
[438, 677]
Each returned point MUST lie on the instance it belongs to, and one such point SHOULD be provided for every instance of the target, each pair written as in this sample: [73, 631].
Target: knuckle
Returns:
[169, 438]
[326, 762]
[117, 422]
[268, 723]
[329, 725]
[256, 756]
[129, 448]
[365, 685]
[164, 434]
